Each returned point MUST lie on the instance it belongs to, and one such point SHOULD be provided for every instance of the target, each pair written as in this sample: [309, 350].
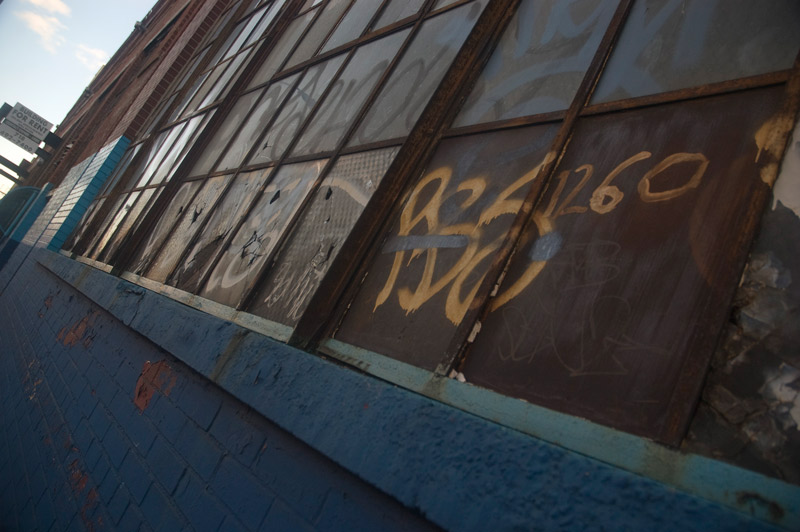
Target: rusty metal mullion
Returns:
[234, 174]
[690, 93]
[509, 123]
[347, 150]
[298, 68]
[459, 346]
[131, 249]
[333, 29]
[260, 277]
[328, 304]
[697, 364]
[256, 197]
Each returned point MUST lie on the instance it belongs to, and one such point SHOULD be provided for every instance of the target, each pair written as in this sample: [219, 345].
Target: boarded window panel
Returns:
[417, 74]
[397, 10]
[134, 218]
[348, 94]
[296, 109]
[421, 283]
[257, 237]
[323, 25]
[676, 44]
[248, 135]
[278, 53]
[179, 237]
[164, 225]
[353, 23]
[540, 61]
[224, 216]
[316, 241]
[624, 274]
[222, 136]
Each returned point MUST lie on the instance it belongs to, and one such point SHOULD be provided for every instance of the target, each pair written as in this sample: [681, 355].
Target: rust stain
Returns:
[154, 377]
[48, 302]
[771, 138]
[74, 335]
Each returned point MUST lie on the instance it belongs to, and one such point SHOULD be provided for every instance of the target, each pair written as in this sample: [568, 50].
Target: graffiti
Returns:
[418, 216]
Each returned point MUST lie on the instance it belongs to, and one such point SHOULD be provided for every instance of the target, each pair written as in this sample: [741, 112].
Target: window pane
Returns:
[422, 282]
[676, 44]
[417, 75]
[132, 220]
[118, 217]
[398, 10]
[353, 24]
[316, 240]
[180, 236]
[296, 109]
[265, 22]
[348, 94]
[606, 296]
[278, 53]
[163, 226]
[260, 118]
[224, 217]
[540, 61]
[332, 11]
[180, 148]
[251, 246]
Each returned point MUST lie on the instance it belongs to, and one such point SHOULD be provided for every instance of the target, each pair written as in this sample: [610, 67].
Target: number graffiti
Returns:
[604, 199]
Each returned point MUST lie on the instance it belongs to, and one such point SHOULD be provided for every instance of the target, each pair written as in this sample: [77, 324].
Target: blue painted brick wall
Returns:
[77, 454]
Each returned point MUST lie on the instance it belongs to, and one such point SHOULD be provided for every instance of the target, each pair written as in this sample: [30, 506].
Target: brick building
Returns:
[410, 265]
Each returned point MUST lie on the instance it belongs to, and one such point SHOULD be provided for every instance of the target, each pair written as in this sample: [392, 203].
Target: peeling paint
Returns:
[787, 186]
[770, 139]
[72, 336]
[154, 377]
[783, 387]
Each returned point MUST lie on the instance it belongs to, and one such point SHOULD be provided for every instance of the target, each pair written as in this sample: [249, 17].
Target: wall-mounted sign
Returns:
[28, 123]
[23, 141]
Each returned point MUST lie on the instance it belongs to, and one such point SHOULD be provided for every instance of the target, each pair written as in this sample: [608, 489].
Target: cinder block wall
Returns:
[102, 430]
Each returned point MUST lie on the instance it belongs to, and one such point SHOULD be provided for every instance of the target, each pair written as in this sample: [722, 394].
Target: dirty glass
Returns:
[124, 205]
[422, 281]
[294, 112]
[417, 75]
[223, 134]
[271, 65]
[163, 226]
[135, 214]
[265, 21]
[258, 236]
[191, 220]
[180, 147]
[157, 151]
[675, 44]
[540, 60]
[226, 214]
[223, 84]
[319, 234]
[348, 94]
[353, 24]
[258, 120]
[397, 10]
[322, 26]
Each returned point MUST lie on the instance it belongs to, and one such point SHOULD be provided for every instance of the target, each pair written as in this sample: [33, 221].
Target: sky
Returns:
[51, 49]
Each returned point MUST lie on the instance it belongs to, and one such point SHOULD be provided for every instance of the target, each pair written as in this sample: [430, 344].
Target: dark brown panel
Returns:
[626, 272]
[421, 283]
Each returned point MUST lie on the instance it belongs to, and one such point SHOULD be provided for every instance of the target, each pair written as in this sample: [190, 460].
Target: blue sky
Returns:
[51, 49]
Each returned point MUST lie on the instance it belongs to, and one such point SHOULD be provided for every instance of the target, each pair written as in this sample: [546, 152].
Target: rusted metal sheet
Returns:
[675, 44]
[421, 284]
[258, 236]
[539, 62]
[329, 218]
[623, 276]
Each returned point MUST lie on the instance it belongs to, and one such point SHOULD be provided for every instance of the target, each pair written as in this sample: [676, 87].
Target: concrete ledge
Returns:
[460, 470]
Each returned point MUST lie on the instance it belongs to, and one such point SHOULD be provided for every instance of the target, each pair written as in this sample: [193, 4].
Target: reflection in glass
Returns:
[323, 25]
[117, 219]
[255, 240]
[417, 75]
[134, 218]
[397, 10]
[540, 60]
[348, 94]
[271, 65]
